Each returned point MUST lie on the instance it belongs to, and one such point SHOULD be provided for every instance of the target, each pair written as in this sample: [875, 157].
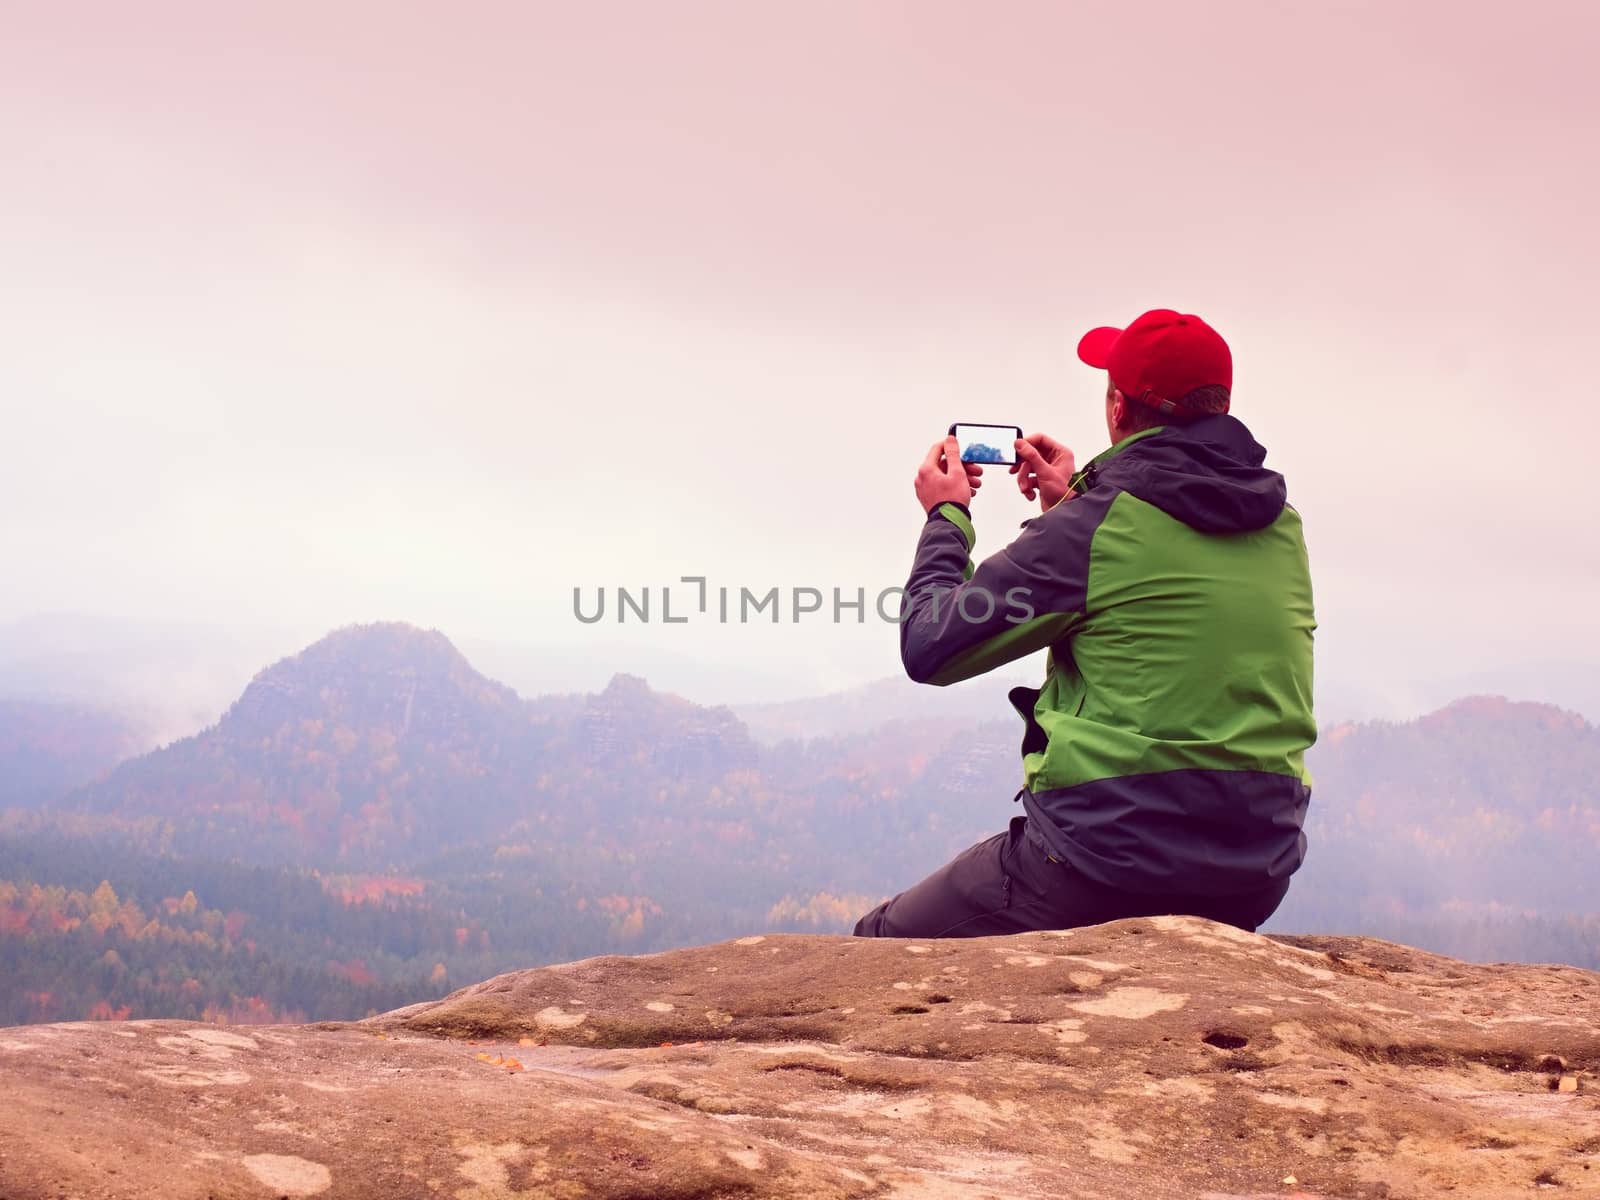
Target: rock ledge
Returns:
[1161, 1057]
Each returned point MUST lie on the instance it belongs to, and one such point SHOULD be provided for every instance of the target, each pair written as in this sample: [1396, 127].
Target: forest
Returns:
[90, 931]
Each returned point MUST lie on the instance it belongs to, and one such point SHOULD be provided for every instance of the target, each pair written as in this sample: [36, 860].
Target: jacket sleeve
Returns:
[960, 621]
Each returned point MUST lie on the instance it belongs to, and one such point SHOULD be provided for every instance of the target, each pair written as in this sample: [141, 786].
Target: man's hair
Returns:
[1203, 401]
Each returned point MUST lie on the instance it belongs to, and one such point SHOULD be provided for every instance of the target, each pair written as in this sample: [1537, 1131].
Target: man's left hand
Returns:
[944, 479]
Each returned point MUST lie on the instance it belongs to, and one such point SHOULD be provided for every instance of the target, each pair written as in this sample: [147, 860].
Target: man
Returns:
[1163, 759]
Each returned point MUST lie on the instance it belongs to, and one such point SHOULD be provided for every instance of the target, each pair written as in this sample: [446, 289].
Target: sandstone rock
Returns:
[1153, 1058]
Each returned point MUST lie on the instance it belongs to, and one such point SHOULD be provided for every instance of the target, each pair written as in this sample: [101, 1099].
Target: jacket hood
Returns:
[1207, 474]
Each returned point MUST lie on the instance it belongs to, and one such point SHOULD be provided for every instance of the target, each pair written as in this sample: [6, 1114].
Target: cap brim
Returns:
[1094, 347]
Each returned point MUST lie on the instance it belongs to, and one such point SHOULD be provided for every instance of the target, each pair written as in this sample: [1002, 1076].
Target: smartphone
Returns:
[987, 443]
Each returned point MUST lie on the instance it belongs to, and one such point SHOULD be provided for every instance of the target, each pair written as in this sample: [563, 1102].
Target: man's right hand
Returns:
[1044, 469]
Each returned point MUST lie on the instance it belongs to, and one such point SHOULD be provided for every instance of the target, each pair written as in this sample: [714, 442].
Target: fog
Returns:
[319, 316]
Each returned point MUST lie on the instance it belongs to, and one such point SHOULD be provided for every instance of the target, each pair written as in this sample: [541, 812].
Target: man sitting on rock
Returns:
[1163, 759]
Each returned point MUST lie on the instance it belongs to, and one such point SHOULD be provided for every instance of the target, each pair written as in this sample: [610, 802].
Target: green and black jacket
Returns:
[1165, 751]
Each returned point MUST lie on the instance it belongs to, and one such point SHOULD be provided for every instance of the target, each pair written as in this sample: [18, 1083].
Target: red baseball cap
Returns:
[1160, 357]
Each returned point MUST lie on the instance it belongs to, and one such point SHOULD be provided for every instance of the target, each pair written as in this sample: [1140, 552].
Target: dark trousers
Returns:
[1006, 884]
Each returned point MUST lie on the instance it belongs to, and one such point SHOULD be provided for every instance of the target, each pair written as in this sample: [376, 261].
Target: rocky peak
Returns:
[625, 688]
[1470, 711]
[367, 676]
[630, 720]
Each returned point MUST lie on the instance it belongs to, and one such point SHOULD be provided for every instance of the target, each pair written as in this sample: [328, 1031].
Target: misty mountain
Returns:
[48, 749]
[1487, 805]
[1340, 701]
[169, 678]
[373, 813]
[381, 744]
[586, 661]
[173, 678]
[365, 743]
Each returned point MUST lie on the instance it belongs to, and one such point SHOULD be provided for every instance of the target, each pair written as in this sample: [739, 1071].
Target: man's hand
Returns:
[1044, 469]
[944, 479]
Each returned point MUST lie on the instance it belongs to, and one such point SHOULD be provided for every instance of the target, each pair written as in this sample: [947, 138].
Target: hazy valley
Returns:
[373, 821]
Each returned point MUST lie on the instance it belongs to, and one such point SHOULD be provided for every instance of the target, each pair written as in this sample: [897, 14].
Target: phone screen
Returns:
[987, 443]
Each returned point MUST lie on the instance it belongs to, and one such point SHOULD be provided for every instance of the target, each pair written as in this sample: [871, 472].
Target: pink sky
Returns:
[297, 296]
